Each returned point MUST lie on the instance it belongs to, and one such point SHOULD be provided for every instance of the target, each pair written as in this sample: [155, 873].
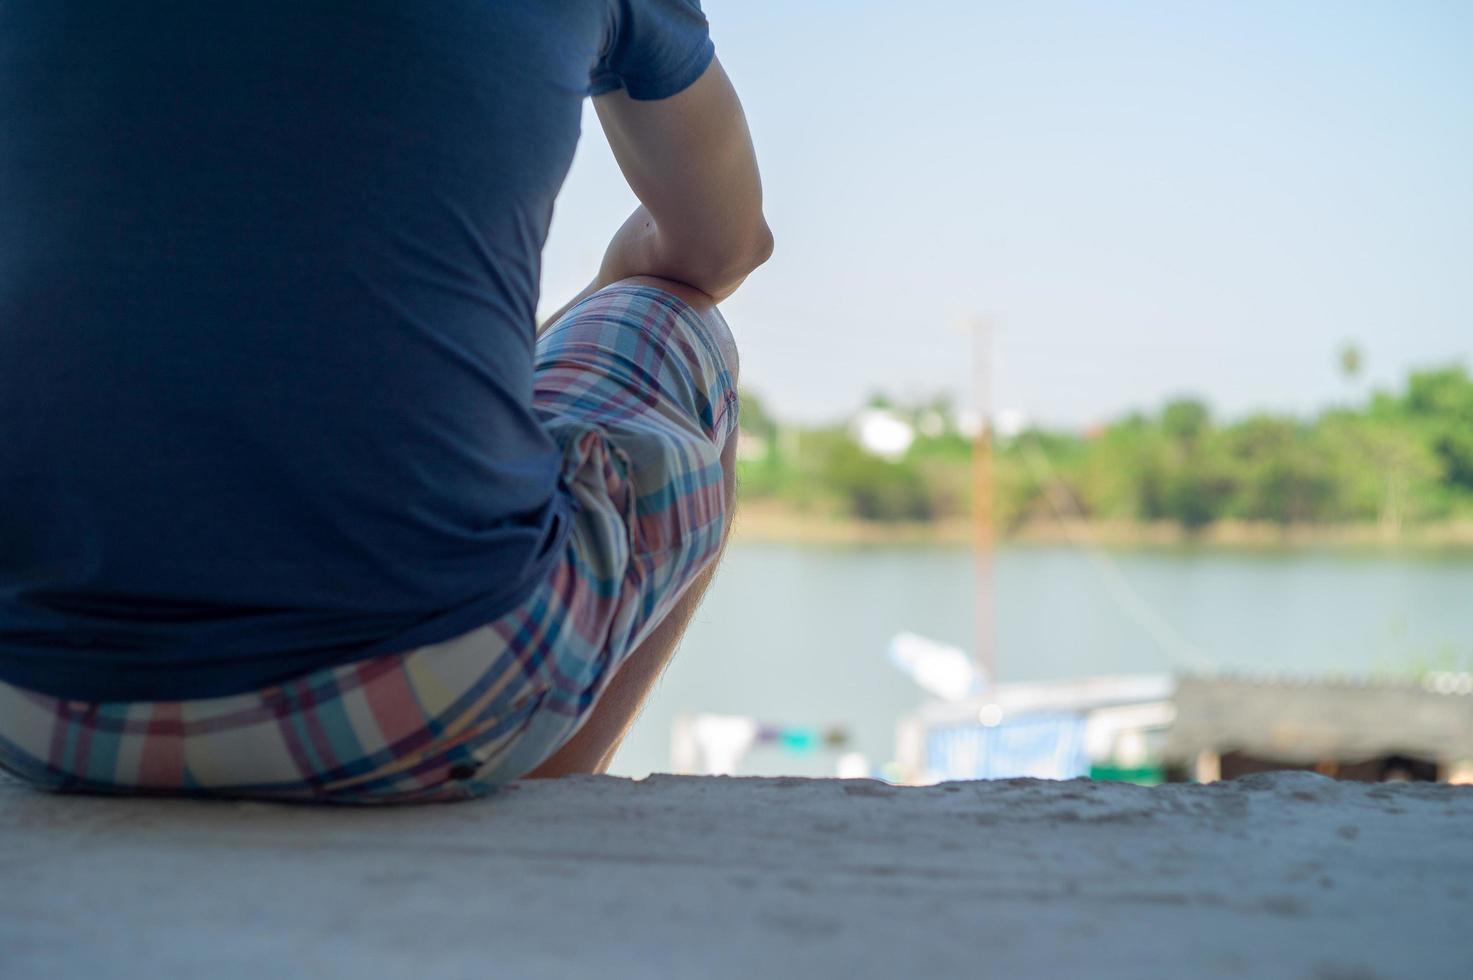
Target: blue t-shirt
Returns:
[268, 280]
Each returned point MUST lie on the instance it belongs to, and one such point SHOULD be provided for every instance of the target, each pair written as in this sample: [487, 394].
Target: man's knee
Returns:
[704, 307]
[690, 295]
[716, 330]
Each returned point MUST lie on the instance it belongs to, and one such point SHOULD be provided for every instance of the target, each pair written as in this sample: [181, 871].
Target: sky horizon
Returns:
[1146, 200]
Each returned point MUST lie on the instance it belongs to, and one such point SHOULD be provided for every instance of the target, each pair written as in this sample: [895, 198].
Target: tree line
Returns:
[1399, 457]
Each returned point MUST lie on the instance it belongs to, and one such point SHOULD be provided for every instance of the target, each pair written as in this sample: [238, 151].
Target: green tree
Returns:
[1401, 456]
[1441, 402]
[873, 488]
[1283, 475]
[755, 418]
[1185, 420]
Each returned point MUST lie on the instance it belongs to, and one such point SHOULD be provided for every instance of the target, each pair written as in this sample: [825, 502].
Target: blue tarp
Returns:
[1046, 746]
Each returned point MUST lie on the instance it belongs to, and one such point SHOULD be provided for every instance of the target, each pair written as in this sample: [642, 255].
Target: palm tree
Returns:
[1351, 360]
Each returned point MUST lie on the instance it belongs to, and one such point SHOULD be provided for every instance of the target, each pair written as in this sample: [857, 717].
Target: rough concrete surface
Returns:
[1281, 875]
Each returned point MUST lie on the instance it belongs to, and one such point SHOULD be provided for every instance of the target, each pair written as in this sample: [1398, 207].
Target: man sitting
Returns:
[294, 501]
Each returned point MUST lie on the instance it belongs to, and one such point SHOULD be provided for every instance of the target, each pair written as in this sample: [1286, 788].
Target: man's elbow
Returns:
[738, 262]
[762, 245]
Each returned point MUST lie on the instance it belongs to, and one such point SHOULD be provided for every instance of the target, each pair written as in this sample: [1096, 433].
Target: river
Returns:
[796, 635]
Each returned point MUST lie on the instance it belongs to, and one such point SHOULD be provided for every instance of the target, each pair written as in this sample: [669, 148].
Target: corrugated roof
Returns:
[1302, 720]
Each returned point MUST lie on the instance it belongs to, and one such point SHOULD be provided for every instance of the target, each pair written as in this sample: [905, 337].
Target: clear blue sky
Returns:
[1146, 198]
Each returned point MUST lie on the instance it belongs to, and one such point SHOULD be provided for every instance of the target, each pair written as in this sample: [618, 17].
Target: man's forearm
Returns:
[715, 263]
[622, 259]
[639, 249]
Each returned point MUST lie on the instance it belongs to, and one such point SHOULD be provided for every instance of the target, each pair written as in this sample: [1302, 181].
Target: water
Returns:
[796, 634]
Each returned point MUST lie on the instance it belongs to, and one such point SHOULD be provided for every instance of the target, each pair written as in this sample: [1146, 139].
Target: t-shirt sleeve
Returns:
[654, 48]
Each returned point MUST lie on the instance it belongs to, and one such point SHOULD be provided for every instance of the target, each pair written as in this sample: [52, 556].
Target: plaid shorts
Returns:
[635, 387]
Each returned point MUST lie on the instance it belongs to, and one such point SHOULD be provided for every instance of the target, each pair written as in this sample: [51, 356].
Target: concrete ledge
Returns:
[1283, 875]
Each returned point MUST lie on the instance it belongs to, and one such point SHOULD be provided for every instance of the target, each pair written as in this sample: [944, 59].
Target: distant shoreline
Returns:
[763, 522]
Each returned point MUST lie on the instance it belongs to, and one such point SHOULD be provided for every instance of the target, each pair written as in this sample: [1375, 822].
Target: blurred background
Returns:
[1101, 340]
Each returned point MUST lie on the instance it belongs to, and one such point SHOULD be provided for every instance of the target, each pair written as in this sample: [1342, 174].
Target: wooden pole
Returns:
[982, 500]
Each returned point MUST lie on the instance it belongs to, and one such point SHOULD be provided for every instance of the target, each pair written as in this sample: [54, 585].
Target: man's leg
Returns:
[592, 749]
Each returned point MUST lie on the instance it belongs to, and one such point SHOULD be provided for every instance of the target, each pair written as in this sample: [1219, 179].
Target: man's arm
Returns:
[690, 161]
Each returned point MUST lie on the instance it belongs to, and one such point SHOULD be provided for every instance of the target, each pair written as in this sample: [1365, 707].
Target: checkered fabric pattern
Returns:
[634, 386]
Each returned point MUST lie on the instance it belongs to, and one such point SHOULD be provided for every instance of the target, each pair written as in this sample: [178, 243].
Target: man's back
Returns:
[268, 275]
